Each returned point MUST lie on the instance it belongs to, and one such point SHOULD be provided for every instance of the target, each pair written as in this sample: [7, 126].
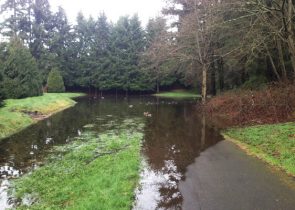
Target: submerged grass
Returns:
[14, 117]
[274, 144]
[178, 94]
[94, 172]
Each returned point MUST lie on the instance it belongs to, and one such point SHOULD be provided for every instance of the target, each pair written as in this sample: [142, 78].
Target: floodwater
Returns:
[186, 164]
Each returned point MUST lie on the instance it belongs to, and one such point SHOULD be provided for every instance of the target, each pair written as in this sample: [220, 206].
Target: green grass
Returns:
[274, 144]
[12, 116]
[95, 172]
[178, 94]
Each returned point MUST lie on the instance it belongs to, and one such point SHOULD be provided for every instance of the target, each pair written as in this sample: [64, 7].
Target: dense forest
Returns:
[209, 45]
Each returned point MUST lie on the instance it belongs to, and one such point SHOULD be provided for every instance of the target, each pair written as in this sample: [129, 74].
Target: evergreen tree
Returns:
[42, 34]
[137, 44]
[155, 62]
[10, 24]
[61, 42]
[1, 89]
[20, 72]
[101, 52]
[55, 83]
[155, 28]
[127, 42]
[2, 59]
[85, 39]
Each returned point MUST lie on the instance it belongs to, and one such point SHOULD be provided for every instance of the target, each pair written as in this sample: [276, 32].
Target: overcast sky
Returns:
[112, 8]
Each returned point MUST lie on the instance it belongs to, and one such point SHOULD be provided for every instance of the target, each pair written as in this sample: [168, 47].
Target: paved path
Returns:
[224, 178]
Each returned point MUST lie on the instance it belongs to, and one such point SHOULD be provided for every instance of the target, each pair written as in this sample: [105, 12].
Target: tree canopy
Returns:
[211, 45]
[20, 73]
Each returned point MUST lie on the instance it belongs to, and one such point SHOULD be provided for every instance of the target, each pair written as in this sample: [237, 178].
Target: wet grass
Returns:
[13, 117]
[275, 144]
[94, 172]
[178, 94]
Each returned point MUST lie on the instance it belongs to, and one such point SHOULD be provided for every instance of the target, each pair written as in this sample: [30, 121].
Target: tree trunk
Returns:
[274, 68]
[220, 74]
[213, 81]
[291, 35]
[281, 58]
[292, 53]
[158, 88]
[204, 83]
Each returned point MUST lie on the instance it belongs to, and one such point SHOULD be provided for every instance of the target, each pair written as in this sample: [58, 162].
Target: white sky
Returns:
[112, 8]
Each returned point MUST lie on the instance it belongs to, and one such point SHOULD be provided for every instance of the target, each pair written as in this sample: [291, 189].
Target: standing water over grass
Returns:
[174, 138]
[170, 143]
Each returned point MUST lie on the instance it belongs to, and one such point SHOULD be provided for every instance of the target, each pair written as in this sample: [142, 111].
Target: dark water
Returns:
[174, 138]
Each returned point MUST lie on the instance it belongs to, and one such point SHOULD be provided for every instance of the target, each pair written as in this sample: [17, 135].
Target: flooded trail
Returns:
[189, 166]
[186, 164]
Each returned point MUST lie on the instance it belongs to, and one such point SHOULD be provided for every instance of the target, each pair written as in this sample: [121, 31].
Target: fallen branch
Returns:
[107, 153]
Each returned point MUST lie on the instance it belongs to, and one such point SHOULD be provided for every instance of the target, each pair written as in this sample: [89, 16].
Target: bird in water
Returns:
[147, 114]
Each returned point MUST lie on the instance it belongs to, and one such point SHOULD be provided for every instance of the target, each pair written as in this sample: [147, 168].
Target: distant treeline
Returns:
[212, 45]
[92, 53]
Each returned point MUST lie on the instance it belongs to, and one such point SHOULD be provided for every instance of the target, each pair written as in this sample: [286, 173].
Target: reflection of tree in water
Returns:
[174, 138]
[28, 147]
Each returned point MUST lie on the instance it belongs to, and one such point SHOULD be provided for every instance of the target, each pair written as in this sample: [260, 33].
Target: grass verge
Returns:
[178, 94]
[94, 172]
[14, 116]
[274, 144]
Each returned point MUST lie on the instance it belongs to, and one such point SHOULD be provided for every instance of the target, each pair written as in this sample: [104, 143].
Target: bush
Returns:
[255, 83]
[273, 104]
[55, 83]
[21, 77]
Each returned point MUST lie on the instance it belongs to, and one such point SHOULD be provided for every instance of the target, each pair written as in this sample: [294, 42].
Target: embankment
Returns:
[18, 114]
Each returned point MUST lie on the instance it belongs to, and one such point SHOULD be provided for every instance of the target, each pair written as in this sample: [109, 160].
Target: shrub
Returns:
[55, 83]
[21, 77]
[273, 104]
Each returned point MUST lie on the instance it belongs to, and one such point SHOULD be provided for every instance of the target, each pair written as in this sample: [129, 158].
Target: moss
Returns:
[274, 144]
[13, 118]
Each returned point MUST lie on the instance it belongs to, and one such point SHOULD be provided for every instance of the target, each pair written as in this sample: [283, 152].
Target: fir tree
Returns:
[55, 83]
[1, 89]
[2, 58]
[101, 52]
[20, 72]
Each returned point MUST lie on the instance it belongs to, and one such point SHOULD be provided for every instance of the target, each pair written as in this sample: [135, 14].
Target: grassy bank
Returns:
[95, 172]
[178, 94]
[274, 144]
[18, 114]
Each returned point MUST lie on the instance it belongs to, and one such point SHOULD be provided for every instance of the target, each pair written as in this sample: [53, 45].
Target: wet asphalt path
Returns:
[225, 178]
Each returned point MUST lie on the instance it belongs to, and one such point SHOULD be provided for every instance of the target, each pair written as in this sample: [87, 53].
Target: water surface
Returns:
[175, 139]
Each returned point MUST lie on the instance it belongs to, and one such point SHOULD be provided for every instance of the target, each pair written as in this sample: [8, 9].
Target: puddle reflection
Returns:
[174, 137]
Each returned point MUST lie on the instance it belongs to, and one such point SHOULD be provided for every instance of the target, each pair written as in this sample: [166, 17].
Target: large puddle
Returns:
[174, 137]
